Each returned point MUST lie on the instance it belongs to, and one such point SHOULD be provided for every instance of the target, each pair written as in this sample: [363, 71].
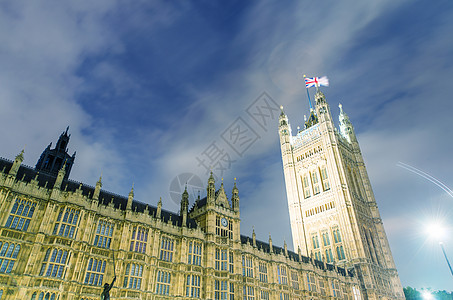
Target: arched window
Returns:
[325, 178]
[306, 186]
[133, 276]
[67, 225]
[340, 252]
[95, 272]
[315, 181]
[374, 248]
[139, 239]
[357, 185]
[21, 214]
[55, 265]
[8, 256]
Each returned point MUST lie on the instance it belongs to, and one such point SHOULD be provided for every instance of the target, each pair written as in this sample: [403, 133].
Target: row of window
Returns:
[67, 223]
[327, 252]
[312, 185]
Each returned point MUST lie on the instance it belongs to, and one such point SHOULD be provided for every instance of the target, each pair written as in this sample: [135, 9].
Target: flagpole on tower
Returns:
[308, 95]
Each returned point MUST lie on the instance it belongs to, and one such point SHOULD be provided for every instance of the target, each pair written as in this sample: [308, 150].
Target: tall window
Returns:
[166, 249]
[294, 280]
[193, 286]
[54, 264]
[336, 235]
[21, 214]
[8, 256]
[95, 271]
[329, 256]
[340, 252]
[282, 275]
[335, 288]
[262, 270]
[194, 257]
[284, 296]
[231, 291]
[221, 290]
[322, 287]
[306, 186]
[249, 292]
[315, 180]
[357, 185]
[139, 239]
[315, 241]
[163, 283]
[247, 266]
[104, 233]
[221, 256]
[326, 239]
[325, 179]
[264, 295]
[66, 222]
[231, 261]
[311, 282]
[133, 276]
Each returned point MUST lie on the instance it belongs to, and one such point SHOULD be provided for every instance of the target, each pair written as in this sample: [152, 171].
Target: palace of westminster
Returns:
[60, 239]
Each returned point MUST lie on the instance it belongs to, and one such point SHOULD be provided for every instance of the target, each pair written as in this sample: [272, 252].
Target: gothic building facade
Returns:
[333, 213]
[61, 239]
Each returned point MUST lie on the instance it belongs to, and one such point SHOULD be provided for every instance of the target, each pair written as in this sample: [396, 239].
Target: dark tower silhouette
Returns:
[52, 160]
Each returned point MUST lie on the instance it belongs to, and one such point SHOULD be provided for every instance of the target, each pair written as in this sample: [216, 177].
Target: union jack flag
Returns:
[316, 81]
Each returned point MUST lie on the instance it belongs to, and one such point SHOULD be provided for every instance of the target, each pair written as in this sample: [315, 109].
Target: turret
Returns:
[254, 238]
[17, 162]
[322, 107]
[52, 160]
[211, 188]
[271, 250]
[159, 209]
[130, 198]
[235, 197]
[346, 128]
[284, 128]
[184, 206]
[60, 177]
[285, 247]
[97, 189]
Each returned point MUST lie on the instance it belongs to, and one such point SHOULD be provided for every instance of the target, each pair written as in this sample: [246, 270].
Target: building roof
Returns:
[294, 256]
[45, 180]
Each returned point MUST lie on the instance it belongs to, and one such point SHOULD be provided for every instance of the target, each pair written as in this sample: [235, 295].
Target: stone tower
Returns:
[52, 160]
[333, 213]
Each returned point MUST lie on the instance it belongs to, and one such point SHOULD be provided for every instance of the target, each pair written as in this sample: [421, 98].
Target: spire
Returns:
[346, 128]
[130, 198]
[211, 188]
[285, 247]
[97, 189]
[60, 177]
[159, 209]
[283, 117]
[17, 162]
[235, 197]
[271, 250]
[184, 206]
[300, 254]
[254, 237]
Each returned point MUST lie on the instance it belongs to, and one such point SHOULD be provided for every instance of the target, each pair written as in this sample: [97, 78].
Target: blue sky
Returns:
[148, 87]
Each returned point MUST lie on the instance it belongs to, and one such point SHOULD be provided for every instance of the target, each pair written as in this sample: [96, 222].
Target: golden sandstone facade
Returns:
[333, 213]
[60, 239]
